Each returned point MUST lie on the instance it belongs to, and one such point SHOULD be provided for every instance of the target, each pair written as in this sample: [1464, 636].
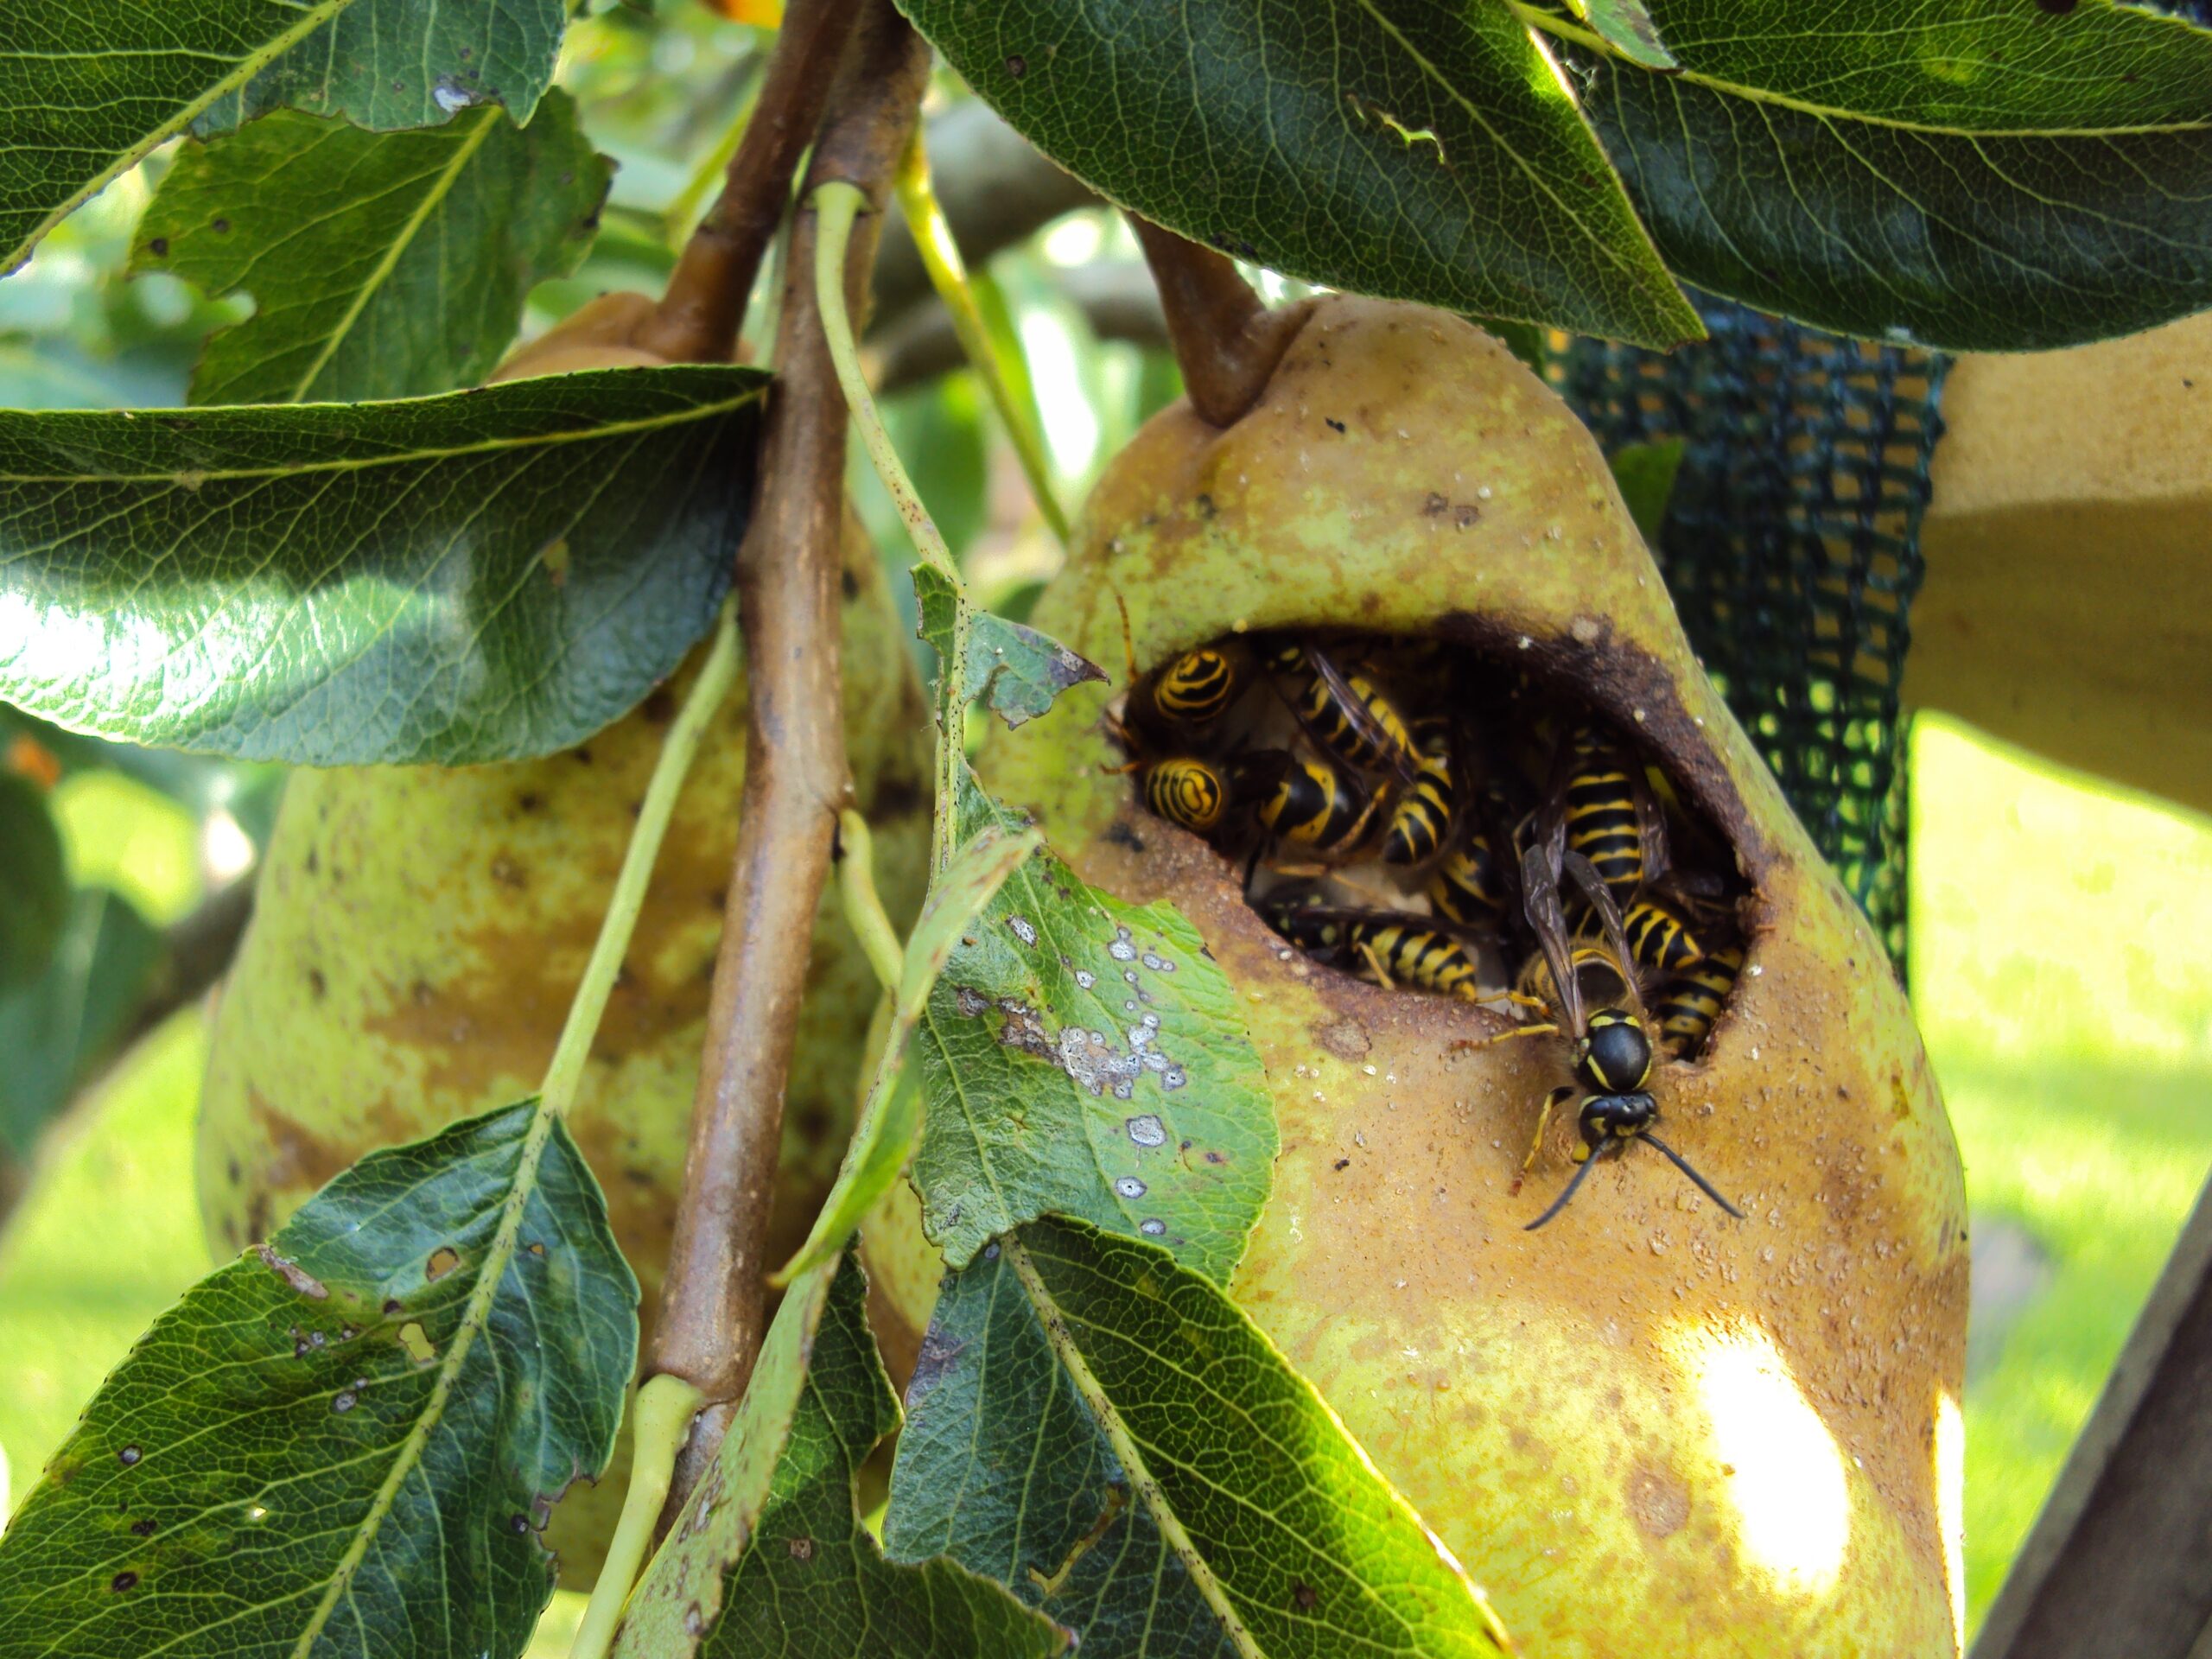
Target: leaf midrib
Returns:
[246, 69]
[1536, 17]
[401, 458]
[432, 198]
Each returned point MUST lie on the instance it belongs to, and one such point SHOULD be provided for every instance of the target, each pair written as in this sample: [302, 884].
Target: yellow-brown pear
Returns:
[1648, 1428]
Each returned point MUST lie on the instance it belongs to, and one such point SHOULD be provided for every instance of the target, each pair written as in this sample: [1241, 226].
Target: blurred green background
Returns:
[2062, 962]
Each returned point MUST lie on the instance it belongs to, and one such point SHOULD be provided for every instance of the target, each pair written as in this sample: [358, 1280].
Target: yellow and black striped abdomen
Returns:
[1468, 887]
[1602, 823]
[1198, 687]
[1418, 956]
[1317, 807]
[1422, 820]
[1692, 1000]
[1658, 937]
[1370, 737]
[1188, 792]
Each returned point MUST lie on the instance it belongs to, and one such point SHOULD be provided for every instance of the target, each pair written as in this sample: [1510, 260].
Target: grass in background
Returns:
[2063, 974]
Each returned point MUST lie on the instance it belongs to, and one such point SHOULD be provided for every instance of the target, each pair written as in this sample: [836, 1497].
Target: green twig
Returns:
[836, 205]
[682, 215]
[715, 676]
[660, 1418]
[864, 912]
[940, 254]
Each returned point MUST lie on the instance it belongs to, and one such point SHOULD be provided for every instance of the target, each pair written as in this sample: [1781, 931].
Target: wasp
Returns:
[1354, 720]
[1179, 703]
[1609, 815]
[1423, 818]
[1393, 950]
[1194, 793]
[1657, 934]
[1311, 804]
[1691, 1001]
[1610, 1047]
[1468, 887]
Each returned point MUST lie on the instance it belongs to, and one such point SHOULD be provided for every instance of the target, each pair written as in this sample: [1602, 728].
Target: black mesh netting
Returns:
[1792, 547]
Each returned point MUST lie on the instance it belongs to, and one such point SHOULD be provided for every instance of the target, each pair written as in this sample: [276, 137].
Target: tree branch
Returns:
[1117, 300]
[1227, 342]
[698, 318]
[796, 780]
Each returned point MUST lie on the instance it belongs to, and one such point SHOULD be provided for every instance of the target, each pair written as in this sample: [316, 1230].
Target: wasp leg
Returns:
[1506, 1036]
[1375, 966]
[1543, 1122]
[1682, 1164]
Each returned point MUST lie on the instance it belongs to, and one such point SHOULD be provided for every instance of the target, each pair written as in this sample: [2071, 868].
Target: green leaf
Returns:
[411, 63]
[815, 1585]
[1418, 150]
[56, 1028]
[1085, 1056]
[33, 881]
[274, 1469]
[1626, 26]
[1011, 669]
[479, 576]
[1645, 474]
[87, 91]
[679, 1596]
[1099, 1428]
[381, 265]
[1984, 175]
[890, 1118]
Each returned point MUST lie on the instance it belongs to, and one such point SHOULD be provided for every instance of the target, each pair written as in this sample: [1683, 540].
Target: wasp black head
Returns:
[1616, 1053]
[1616, 1117]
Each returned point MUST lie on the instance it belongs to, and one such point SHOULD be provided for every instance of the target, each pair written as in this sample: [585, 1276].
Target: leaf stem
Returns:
[715, 676]
[940, 252]
[660, 1417]
[864, 912]
[835, 207]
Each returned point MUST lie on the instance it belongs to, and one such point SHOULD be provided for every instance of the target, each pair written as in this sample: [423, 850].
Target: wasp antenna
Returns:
[1560, 1203]
[1682, 1164]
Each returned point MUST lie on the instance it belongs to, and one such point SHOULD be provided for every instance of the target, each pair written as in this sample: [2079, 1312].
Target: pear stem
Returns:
[1226, 342]
[660, 1417]
[565, 1071]
[933, 240]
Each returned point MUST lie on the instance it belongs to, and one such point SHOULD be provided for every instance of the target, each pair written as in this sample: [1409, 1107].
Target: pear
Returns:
[1648, 1427]
[419, 931]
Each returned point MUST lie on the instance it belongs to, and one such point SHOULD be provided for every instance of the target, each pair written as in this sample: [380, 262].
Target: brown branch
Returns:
[796, 779]
[1117, 299]
[1227, 342]
[697, 319]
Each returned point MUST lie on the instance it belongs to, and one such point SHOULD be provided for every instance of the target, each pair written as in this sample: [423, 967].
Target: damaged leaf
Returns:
[1013, 671]
[1085, 1056]
[274, 1469]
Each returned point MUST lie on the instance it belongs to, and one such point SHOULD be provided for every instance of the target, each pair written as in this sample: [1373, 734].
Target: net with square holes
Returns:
[1791, 542]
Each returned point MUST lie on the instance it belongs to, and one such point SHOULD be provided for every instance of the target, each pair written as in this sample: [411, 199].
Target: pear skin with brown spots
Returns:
[1648, 1428]
[419, 932]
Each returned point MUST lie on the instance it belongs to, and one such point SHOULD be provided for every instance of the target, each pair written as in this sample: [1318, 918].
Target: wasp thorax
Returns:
[1382, 797]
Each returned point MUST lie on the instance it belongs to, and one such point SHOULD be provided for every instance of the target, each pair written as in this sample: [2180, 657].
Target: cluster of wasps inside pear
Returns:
[1422, 817]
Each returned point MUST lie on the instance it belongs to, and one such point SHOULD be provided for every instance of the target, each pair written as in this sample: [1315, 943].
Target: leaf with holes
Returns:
[54, 1029]
[814, 1584]
[1973, 174]
[33, 881]
[1098, 1427]
[1411, 149]
[883, 1139]
[347, 1439]
[381, 265]
[87, 91]
[1013, 671]
[1085, 1056]
[480, 577]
